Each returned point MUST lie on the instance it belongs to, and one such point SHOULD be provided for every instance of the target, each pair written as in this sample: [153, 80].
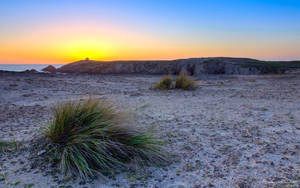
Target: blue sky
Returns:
[185, 25]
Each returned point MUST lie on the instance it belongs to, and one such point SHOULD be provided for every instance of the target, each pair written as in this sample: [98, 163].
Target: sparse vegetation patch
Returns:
[183, 81]
[164, 84]
[6, 146]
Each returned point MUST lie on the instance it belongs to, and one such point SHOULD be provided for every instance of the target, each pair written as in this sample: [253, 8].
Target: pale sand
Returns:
[241, 131]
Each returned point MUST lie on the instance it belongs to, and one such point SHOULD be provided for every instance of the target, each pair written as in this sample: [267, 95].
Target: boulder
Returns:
[50, 69]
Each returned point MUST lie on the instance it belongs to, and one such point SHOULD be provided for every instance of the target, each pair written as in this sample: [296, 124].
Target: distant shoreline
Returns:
[24, 67]
[102, 65]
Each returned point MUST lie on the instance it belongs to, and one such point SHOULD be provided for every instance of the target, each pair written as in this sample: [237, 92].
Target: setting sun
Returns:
[44, 33]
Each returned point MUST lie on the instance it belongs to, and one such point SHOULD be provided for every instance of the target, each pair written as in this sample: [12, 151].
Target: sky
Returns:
[63, 31]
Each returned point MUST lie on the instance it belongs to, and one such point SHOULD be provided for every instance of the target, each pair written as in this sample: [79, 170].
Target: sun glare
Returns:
[79, 49]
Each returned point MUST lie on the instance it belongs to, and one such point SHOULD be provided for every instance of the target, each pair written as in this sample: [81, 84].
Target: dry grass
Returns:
[91, 137]
[183, 81]
[164, 84]
[6, 146]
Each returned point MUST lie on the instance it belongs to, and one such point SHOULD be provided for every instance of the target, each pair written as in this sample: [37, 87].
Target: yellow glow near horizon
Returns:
[80, 49]
[66, 43]
[65, 31]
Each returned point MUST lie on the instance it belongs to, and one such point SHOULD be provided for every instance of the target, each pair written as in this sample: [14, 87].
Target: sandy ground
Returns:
[241, 131]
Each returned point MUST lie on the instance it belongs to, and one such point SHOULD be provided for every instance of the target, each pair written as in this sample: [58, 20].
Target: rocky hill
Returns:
[192, 66]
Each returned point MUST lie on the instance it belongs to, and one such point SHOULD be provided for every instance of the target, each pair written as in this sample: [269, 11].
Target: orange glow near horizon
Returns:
[72, 43]
[48, 32]
[69, 43]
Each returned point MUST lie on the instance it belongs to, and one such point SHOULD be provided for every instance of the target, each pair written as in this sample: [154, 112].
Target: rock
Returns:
[193, 66]
[41, 152]
[31, 71]
[50, 69]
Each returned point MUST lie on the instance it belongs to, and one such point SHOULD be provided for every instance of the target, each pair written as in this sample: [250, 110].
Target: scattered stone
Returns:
[41, 152]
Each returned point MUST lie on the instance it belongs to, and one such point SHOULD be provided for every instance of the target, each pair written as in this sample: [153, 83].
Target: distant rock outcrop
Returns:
[31, 71]
[49, 68]
[193, 66]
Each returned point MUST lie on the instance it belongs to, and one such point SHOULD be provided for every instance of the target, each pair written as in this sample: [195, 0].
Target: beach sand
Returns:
[234, 131]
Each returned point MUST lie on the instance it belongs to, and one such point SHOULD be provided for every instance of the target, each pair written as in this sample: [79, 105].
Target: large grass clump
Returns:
[91, 137]
[165, 83]
[183, 81]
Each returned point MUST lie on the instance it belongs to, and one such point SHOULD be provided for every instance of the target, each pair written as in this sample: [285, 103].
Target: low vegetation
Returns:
[183, 81]
[164, 84]
[6, 146]
[91, 137]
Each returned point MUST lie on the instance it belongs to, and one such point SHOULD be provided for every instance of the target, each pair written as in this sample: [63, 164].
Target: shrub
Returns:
[91, 137]
[185, 82]
[164, 84]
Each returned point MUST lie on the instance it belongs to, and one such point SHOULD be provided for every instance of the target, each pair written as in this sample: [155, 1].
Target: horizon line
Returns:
[88, 59]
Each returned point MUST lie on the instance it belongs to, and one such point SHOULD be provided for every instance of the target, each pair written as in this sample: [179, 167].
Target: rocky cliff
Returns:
[193, 66]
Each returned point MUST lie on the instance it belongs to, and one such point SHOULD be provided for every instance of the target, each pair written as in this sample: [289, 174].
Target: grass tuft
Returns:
[164, 84]
[91, 137]
[6, 146]
[183, 81]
